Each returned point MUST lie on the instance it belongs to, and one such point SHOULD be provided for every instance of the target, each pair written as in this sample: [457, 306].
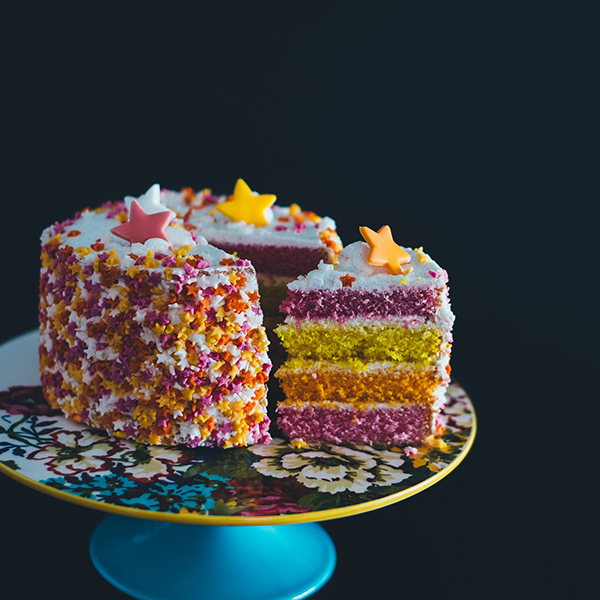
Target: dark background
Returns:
[474, 132]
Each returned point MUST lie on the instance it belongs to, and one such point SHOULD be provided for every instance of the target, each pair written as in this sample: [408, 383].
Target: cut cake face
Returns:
[368, 350]
[156, 340]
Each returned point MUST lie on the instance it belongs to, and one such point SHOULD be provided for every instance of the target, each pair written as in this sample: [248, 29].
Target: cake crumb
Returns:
[438, 443]
[298, 443]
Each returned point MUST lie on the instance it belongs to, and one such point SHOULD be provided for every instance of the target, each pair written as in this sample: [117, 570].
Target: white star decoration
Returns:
[150, 202]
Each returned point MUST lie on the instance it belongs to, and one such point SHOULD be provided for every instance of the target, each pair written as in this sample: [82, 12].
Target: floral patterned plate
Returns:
[259, 485]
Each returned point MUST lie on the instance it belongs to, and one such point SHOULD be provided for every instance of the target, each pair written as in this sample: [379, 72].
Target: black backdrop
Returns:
[471, 131]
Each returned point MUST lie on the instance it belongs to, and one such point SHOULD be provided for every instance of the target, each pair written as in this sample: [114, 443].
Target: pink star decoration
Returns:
[143, 226]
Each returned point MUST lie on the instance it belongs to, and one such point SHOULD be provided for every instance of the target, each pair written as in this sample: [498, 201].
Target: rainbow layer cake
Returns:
[149, 332]
[368, 346]
[281, 242]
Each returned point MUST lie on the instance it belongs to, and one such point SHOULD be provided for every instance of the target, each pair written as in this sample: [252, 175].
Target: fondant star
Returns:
[347, 280]
[384, 251]
[150, 201]
[143, 226]
[247, 207]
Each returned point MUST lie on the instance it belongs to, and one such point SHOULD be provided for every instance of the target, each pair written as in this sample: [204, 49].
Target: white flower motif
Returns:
[297, 461]
[389, 476]
[463, 421]
[161, 462]
[367, 461]
[272, 449]
[74, 452]
[394, 459]
[457, 413]
[331, 468]
[147, 470]
[355, 480]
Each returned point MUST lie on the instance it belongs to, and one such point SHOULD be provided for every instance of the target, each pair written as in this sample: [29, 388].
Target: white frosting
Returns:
[268, 214]
[96, 227]
[216, 227]
[353, 261]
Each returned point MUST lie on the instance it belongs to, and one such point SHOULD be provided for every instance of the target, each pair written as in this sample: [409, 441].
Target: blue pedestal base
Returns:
[151, 560]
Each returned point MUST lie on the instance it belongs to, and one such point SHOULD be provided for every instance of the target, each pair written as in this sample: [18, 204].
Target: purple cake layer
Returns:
[411, 424]
[346, 303]
[276, 261]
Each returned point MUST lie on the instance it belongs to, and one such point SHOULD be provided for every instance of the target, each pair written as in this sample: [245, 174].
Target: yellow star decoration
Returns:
[245, 206]
[384, 251]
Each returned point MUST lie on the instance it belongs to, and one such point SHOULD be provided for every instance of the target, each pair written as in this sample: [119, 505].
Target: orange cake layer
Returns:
[324, 383]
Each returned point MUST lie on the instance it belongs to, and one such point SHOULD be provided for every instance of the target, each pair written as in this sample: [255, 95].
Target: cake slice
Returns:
[149, 332]
[368, 345]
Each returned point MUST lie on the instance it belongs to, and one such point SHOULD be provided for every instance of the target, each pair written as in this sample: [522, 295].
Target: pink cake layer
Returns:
[410, 424]
[276, 261]
[347, 303]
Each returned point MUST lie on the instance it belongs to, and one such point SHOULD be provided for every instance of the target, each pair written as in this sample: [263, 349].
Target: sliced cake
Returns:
[368, 346]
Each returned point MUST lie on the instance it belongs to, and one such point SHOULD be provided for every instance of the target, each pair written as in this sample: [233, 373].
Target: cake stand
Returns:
[280, 490]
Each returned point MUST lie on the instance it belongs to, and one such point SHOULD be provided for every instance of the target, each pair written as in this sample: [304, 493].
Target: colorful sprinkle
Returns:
[347, 280]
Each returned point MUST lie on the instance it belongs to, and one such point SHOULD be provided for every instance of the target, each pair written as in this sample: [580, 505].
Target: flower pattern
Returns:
[75, 452]
[261, 480]
[329, 467]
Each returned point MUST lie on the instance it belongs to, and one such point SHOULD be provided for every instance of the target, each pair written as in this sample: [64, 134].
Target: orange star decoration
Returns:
[347, 280]
[384, 251]
[245, 206]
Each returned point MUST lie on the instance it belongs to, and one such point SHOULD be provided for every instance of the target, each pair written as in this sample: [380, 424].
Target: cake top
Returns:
[211, 216]
[107, 232]
[353, 270]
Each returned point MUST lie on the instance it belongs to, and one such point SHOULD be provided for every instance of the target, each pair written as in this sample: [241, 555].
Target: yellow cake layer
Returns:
[323, 383]
[371, 342]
